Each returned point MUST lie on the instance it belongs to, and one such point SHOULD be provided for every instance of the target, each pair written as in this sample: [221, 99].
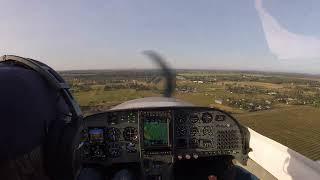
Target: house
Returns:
[218, 101]
[271, 93]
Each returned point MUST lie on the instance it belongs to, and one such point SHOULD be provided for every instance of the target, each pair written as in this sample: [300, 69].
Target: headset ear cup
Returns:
[61, 138]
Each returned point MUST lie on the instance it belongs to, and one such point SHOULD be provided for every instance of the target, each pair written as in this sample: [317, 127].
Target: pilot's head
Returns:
[27, 107]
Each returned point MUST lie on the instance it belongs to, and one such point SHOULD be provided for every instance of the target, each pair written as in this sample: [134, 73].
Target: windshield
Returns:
[256, 59]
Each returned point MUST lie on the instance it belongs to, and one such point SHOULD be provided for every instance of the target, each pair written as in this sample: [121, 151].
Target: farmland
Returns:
[284, 107]
[297, 127]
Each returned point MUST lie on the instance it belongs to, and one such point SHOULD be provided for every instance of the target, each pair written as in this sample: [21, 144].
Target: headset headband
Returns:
[54, 79]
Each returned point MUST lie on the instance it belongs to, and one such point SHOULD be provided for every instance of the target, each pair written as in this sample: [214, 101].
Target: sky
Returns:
[269, 35]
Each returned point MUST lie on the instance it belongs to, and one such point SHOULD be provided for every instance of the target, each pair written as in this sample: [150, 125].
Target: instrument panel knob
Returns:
[195, 156]
[188, 156]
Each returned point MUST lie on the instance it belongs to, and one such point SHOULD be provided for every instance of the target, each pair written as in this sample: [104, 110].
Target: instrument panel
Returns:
[203, 133]
[188, 133]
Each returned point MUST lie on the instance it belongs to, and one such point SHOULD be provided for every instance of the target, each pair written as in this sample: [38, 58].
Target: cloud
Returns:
[283, 43]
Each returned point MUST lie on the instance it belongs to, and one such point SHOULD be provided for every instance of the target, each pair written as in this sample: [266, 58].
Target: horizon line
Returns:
[199, 69]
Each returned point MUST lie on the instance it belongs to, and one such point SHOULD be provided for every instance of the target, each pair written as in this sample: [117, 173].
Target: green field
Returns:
[110, 98]
[297, 127]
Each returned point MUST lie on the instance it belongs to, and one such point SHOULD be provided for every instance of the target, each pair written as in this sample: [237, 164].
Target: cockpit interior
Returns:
[162, 139]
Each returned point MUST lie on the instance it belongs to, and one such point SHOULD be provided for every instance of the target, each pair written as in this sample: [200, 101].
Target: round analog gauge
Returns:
[181, 131]
[114, 150]
[181, 118]
[207, 130]
[97, 152]
[206, 117]
[194, 131]
[130, 134]
[194, 118]
[113, 134]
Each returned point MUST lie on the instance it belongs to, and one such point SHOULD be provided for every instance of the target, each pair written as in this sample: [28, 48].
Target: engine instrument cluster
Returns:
[206, 133]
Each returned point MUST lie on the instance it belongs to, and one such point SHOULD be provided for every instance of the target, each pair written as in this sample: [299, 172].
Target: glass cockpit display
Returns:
[96, 135]
[155, 131]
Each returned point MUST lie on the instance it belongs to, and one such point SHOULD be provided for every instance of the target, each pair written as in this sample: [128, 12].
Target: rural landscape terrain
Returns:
[284, 107]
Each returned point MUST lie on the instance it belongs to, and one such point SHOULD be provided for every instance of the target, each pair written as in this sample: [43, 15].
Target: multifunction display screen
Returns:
[96, 135]
[155, 131]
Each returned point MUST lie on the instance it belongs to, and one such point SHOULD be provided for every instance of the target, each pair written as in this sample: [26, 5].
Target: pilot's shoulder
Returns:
[27, 105]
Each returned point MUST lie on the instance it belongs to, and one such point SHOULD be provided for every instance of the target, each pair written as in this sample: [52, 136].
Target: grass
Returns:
[112, 97]
[196, 98]
[227, 109]
[258, 84]
[297, 127]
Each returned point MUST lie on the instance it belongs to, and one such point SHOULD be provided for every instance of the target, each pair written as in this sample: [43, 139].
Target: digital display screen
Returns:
[96, 135]
[155, 132]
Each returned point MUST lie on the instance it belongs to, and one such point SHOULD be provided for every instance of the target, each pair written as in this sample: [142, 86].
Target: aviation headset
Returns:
[62, 135]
